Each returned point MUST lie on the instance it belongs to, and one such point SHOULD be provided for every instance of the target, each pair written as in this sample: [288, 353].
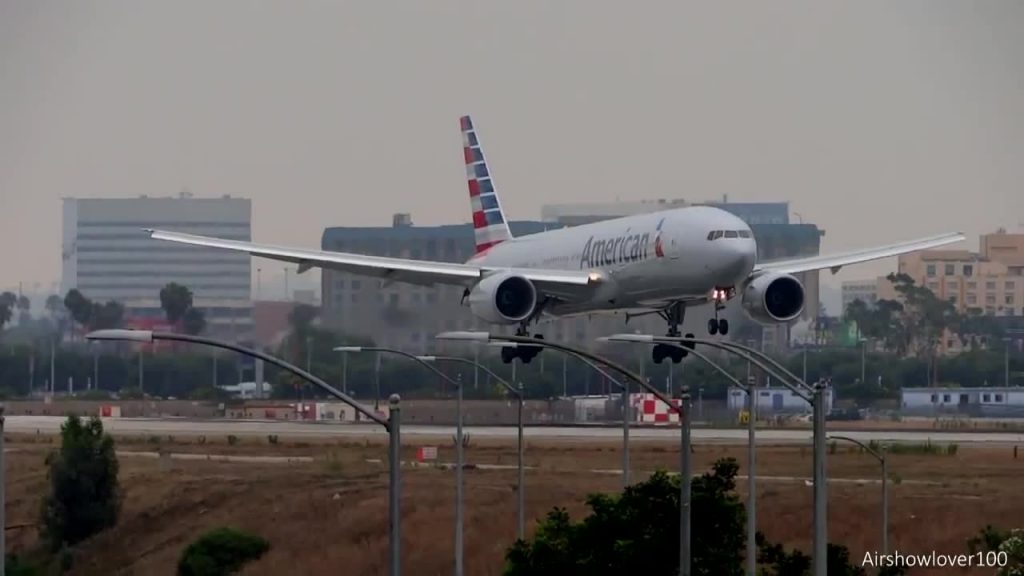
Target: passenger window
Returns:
[731, 234]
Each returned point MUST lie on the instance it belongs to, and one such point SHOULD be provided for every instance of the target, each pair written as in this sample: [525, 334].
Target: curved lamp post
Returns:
[682, 409]
[458, 439]
[624, 387]
[751, 452]
[814, 395]
[392, 424]
[516, 391]
[880, 456]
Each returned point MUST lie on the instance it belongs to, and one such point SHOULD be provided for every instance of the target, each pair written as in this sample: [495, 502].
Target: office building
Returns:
[991, 280]
[106, 255]
[864, 290]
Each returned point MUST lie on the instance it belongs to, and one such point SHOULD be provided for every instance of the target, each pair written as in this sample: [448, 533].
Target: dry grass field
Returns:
[328, 515]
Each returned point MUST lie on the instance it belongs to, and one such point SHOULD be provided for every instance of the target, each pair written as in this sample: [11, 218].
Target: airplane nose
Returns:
[737, 263]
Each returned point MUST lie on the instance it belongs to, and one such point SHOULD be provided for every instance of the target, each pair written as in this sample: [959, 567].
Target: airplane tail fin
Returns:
[489, 224]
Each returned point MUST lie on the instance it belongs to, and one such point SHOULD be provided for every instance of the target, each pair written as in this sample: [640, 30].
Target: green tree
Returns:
[103, 316]
[175, 299]
[78, 306]
[7, 302]
[221, 552]
[84, 496]
[194, 321]
[638, 531]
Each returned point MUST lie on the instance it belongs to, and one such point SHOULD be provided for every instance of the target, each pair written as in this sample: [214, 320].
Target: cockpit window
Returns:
[745, 234]
[731, 234]
[718, 234]
[711, 235]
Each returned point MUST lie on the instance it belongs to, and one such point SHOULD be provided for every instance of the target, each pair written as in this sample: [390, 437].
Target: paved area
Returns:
[51, 424]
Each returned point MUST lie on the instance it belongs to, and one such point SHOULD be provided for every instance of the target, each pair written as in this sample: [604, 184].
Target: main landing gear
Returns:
[674, 316]
[716, 325]
[525, 353]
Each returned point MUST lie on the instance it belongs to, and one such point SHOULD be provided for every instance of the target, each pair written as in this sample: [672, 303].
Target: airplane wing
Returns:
[423, 272]
[835, 262]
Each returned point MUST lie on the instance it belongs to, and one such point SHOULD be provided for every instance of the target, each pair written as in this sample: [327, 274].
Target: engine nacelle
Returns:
[773, 297]
[503, 299]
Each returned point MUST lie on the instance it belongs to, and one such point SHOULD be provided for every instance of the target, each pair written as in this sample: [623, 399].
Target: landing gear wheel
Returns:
[723, 326]
[713, 326]
[678, 354]
[690, 345]
[508, 355]
[658, 353]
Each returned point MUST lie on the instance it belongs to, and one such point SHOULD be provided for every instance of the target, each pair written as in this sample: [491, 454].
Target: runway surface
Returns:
[51, 424]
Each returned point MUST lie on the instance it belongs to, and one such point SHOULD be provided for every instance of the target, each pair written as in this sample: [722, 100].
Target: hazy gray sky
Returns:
[879, 121]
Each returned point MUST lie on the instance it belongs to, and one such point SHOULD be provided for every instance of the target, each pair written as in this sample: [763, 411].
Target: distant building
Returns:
[864, 290]
[990, 281]
[107, 256]
[981, 401]
[777, 399]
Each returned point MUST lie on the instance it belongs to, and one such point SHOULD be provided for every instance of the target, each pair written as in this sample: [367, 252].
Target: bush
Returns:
[84, 496]
[221, 552]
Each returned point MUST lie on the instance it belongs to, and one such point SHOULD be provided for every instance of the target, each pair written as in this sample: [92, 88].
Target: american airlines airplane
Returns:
[656, 263]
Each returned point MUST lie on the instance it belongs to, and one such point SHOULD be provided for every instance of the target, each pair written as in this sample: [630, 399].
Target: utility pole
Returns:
[53, 370]
[565, 376]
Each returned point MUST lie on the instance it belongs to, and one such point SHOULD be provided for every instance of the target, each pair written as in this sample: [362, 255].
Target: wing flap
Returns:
[834, 262]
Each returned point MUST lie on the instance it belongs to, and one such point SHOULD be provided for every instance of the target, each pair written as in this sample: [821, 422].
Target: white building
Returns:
[864, 290]
[107, 255]
[775, 399]
[992, 401]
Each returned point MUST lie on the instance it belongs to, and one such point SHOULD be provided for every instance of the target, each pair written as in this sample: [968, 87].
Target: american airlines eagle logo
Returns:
[623, 249]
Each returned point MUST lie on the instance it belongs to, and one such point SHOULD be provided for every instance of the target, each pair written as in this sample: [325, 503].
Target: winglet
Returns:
[489, 224]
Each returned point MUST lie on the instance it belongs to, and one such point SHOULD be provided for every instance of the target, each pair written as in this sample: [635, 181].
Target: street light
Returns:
[458, 438]
[880, 456]
[751, 451]
[682, 408]
[814, 395]
[392, 424]
[516, 391]
[623, 386]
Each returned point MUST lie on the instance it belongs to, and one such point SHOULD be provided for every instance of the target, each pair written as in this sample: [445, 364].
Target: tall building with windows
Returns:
[991, 280]
[107, 255]
[864, 290]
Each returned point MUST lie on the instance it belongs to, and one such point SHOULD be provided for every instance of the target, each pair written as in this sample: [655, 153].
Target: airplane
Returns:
[655, 263]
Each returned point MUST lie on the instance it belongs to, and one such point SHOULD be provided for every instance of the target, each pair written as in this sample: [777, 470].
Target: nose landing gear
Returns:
[716, 325]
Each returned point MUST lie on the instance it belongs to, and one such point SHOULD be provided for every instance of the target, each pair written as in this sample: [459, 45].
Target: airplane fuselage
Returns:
[645, 260]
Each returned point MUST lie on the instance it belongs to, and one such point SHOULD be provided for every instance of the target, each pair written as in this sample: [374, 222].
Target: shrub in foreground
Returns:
[221, 552]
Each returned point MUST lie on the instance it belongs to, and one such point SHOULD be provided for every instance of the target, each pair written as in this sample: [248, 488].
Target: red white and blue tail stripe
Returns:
[489, 224]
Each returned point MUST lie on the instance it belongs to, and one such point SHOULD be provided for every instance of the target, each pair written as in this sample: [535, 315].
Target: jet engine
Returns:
[503, 299]
[773, 297]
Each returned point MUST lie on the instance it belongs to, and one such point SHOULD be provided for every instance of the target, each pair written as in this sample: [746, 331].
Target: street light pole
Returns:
[820, 489]
[880, 456]
[686, 478]
[751, 486]
[395, 505]
[392, 424]
[3, 497]
[458, 437]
